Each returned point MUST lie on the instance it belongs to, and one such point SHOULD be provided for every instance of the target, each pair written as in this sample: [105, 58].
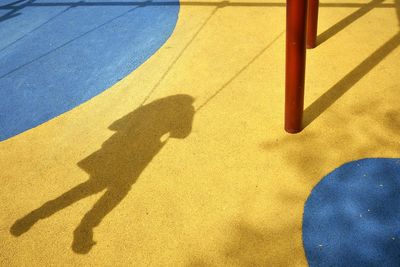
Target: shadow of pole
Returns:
[340, 88]
[347, 21]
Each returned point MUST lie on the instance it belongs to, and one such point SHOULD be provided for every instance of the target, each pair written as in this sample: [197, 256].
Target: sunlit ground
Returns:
[184, 162]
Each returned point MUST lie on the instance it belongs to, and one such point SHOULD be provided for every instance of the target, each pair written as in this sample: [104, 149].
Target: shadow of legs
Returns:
[83, 234]
[49, 208]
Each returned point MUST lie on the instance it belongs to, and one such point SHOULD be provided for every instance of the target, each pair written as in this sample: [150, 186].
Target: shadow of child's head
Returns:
[181, 112]
[171, 115]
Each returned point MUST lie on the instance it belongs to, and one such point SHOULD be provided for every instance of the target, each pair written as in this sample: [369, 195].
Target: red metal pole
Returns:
[312, 23]
[296, 17]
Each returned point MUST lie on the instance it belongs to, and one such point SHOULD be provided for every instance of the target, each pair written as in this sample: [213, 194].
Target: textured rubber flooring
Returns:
[184, 162]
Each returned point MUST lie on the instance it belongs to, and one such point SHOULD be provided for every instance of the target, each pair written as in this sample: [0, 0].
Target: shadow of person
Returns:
[138, 137]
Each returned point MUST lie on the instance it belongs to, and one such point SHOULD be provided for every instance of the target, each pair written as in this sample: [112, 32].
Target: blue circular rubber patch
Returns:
[352, 217]
[57, 54]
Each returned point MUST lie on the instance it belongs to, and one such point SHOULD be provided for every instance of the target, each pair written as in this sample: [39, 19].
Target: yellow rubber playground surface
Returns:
[221, 183]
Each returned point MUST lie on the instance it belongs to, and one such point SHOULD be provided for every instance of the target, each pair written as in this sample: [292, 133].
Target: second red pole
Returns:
[312, 23]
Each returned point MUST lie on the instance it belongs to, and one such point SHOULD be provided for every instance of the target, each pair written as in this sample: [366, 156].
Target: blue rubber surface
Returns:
[56, 54]
[352, 217]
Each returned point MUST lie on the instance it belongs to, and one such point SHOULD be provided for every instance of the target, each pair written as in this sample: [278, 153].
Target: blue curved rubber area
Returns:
[352, 217]
[57, 54]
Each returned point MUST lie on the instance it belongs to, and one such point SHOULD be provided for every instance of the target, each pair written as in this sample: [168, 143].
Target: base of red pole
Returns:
[293, 131]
